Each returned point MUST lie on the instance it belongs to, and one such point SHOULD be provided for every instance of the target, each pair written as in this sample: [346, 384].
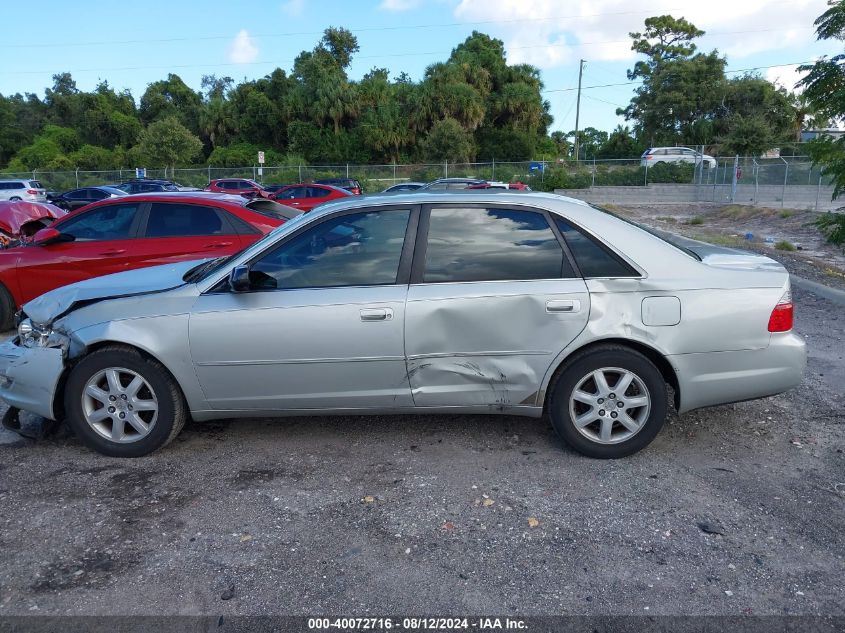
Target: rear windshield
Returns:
[36, 184]
[669, 238]
[272, 209]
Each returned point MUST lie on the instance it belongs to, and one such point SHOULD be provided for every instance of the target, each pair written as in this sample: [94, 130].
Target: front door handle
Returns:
[218, 245]
[563, 305]
[376, 314]
[119, 251]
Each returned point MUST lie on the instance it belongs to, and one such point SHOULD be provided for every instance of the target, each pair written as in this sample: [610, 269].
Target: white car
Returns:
[15, 189]
[654, 155]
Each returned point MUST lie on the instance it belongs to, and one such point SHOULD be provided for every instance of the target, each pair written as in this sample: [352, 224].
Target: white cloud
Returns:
[785, 77]
[293, 8]
[399, 5]
[549, 33]
[243, 49]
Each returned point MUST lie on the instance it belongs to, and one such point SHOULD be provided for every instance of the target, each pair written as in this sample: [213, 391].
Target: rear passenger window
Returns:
[473, 244]
[592, 258]
[183, 220]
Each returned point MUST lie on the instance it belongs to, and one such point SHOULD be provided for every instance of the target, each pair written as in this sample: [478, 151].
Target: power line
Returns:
[628, 83]
[358, 30]
[383, 56]
[603, 101]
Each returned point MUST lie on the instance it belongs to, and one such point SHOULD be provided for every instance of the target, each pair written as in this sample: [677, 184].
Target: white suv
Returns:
[654, 155]
[29, 190]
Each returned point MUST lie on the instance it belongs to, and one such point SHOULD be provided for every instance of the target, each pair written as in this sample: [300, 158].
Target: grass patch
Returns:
[666, 218]
[696, 221]
[783, 245]
[786, 214]
[745, 212]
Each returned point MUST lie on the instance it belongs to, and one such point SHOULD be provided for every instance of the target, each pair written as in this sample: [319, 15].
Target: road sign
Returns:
[260, 158]
[140, 172]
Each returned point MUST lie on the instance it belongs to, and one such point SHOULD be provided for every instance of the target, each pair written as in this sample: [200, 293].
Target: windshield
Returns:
[669, 238]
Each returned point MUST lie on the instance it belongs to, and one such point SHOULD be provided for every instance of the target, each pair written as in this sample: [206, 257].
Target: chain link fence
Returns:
[757, 180]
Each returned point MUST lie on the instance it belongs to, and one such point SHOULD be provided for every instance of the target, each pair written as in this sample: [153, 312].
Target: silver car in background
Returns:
[434, 303]
[15, 189]
[654, 155]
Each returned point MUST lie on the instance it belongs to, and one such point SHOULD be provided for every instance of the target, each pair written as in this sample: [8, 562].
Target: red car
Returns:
[238, 186]
[21, 220]
[307, 196]
[131, 232]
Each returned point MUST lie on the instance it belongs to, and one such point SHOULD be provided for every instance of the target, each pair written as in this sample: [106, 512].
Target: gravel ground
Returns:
[732, 510]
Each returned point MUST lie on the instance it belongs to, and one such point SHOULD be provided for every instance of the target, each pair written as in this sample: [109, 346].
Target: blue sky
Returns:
[132, 44]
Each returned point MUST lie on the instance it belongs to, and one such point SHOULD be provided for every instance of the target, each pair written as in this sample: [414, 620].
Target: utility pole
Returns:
[578, 108]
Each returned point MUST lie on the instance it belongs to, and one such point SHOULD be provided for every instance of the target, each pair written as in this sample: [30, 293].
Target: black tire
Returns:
[577, 369]
[172, 411]
[7, 309]
[15, 199]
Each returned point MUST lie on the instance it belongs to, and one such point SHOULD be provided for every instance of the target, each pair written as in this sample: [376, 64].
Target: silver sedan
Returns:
[520, 304]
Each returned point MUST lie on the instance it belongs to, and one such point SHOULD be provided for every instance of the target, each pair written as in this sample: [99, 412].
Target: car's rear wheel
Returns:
[608, 402]
[15, 199]
[123, 404]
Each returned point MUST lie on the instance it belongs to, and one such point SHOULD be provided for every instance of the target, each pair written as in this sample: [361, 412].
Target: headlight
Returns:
[31, 335]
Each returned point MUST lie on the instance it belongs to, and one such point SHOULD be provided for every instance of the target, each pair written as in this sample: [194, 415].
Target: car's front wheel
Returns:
[123, 404]
[608, 402]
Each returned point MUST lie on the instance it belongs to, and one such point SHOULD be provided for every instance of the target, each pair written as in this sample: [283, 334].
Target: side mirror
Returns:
[239, 279]
[49, 235]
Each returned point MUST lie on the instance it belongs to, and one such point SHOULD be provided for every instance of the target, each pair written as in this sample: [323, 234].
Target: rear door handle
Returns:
[563, 305]
[218, 245]
[377, 314]
[119, 251]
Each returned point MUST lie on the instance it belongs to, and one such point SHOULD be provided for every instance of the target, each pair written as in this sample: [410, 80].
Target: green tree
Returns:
[448, 140]
[824, 89]
[680, 88]
[171, 97]
[167, 142]
[754, 116]
[620, 144]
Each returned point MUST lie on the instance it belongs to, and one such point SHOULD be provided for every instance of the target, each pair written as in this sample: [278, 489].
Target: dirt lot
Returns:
[733, 510]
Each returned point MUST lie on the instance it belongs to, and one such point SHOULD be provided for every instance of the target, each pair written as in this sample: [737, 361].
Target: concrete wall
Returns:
[794, 197]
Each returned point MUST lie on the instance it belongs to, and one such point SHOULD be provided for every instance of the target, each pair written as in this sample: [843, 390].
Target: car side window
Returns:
[111, 222]
[182, 220]
[478, 244]
[317, 192]
[357, 249]
[592, 258]
[96, 194]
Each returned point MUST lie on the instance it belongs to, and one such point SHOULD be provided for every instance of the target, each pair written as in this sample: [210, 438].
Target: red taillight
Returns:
[32, 192]
[782, 318]
[649, 157]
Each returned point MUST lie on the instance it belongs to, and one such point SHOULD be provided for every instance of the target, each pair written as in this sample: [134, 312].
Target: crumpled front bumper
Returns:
[29, 377]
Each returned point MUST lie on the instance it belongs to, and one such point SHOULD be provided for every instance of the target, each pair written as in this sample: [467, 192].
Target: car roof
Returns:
[189, 196]
[506, 196]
